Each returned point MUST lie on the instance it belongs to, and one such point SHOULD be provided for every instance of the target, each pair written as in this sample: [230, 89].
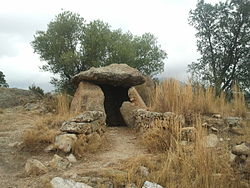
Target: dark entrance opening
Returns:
[114, 97]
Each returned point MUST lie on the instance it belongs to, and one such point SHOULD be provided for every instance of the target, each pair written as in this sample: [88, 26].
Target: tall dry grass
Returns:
[192, 165]
[171, 95]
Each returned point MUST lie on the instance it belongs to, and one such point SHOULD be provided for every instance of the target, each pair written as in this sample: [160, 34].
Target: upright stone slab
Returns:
[88, 97]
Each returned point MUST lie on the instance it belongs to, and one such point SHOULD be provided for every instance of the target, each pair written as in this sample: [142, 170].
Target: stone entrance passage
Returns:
[113, 99]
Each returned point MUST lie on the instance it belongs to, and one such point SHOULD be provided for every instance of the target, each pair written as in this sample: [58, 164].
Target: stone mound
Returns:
[114, 74]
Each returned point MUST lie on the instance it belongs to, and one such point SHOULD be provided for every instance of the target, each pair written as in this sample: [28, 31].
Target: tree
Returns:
[2, 80]
[37, 90]
[71, 45]
[223, 40]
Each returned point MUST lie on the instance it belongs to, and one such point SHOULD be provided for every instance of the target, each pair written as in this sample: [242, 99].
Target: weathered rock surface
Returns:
[211, 140]
[233, 121]
[59, 163]
[89, 116]
[88, 97]
[146, 90]
[127, 111]
[144, 118]
[114, 74]
[241, 149]
[135, 98]
[58, 182]
[65, 142]
[87, 122]
[71, 158]
[35, 167]
[10, 97]
[149, 184]
[96, 181]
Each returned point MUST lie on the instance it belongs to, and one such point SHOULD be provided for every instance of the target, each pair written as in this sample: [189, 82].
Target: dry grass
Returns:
[173, 96]
[1, 111]
[47, 127]
[192, 165]
[88, 144]
[162, 135]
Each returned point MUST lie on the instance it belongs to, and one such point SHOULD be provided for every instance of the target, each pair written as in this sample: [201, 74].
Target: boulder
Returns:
[58, 182]
[241, 149]
[114, 74]
[65, 142]
[85, 123]
[148, 184]
[88, 97]
[135, 98]
[35, 167]
[127, 111]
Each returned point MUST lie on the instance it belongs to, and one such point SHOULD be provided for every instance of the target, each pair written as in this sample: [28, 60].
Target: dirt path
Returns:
[123, 144]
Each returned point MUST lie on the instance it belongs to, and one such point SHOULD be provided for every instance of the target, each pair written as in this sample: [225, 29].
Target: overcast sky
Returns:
[166, 19]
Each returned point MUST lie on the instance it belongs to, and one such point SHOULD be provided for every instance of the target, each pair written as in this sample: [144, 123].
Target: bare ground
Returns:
[122, 144]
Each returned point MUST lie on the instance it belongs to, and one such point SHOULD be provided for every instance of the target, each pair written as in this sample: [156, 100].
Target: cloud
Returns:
[166, 19]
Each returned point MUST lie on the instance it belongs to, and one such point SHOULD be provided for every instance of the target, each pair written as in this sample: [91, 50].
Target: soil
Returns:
[122, 144]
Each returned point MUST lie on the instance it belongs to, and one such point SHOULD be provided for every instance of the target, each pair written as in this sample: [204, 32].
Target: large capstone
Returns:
[114, 74]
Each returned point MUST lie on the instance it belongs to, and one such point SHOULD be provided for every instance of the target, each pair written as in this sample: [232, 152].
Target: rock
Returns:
[114, 74]
[65, 142]
[88, 97]
[50, 148]
[135, 98]
[58, 182]
[35, 167]
[241, 149]
[59, 163]
[71, 158]
[214, 129]
[236, 131]
[127, 111]
[96, 181]
[232, 157]
[80, 128]
[89, 116]
[144, 118]
[143, 171]
[218, 116]
[211, 140]
[87, 122]
[148, 184]
[146, 90]
[15, 144]
[233, 121]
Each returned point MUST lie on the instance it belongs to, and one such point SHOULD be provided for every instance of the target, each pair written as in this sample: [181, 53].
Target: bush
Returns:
[36, 89]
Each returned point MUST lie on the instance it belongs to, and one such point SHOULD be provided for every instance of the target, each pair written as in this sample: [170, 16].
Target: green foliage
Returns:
[36, 89]
[223, 40]
[71, 45]
[2, 80]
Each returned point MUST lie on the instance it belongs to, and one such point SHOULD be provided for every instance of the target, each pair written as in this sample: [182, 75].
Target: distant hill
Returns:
[10, 97]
